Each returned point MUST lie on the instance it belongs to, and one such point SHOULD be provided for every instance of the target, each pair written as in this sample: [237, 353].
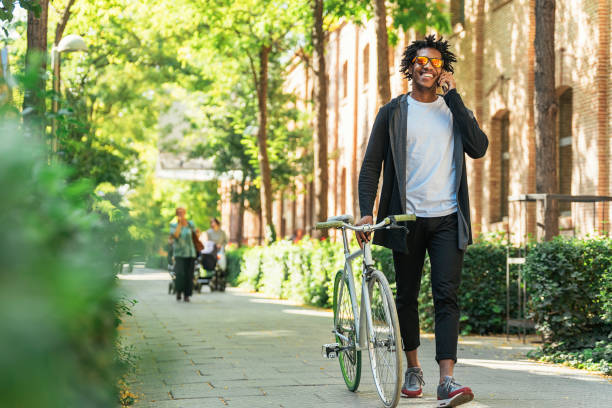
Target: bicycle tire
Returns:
[344, 322]
[385, 346]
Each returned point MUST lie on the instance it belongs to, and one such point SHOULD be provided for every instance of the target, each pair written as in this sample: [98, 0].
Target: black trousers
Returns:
[437, 235]
[183, 268]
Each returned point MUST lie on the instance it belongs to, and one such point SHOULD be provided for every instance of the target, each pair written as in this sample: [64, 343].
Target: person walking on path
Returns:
[184, 253]
[422, 137]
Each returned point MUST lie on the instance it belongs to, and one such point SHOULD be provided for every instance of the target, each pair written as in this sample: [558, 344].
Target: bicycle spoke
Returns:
[344, 324]
[383, 345]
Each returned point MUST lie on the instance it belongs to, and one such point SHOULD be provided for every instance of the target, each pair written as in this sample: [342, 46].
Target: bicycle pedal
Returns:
[330, 350]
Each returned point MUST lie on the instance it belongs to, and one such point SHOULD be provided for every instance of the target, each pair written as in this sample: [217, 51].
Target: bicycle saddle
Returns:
[348, 218]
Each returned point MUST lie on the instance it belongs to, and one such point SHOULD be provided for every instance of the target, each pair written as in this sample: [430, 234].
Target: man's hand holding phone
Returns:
[446, 81]
[363, 237]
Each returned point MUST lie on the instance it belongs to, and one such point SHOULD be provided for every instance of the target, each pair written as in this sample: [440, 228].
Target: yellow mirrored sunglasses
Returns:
[436, 62]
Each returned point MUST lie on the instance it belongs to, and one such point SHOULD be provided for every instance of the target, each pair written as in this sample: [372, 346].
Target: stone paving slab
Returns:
[239, 349]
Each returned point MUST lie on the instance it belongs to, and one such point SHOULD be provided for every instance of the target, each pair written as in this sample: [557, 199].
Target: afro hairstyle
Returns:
[428, 42]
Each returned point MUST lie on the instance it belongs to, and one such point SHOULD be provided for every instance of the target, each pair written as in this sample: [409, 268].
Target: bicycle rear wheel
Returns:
[346, 333]
[384, 345]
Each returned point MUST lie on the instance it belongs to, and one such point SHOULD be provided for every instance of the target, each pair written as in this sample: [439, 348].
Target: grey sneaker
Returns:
[413, 382]
[452, 394]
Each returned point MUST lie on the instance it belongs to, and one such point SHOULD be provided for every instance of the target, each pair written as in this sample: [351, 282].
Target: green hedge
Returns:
[570, 290]
[58, 305]
[570, 286]
[569, 282]
[304, 272]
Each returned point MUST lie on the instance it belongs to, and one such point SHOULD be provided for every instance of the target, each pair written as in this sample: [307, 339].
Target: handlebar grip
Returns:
[328, 224]
[405, 217]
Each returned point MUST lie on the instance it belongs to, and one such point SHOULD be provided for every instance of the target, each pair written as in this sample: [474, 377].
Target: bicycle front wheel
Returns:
[346, 333]
[384, 343]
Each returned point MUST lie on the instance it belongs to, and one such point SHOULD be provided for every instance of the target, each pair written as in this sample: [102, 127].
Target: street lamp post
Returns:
[70, 43]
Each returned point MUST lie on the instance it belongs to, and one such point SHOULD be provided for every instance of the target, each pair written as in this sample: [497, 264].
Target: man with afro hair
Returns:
[421, 138]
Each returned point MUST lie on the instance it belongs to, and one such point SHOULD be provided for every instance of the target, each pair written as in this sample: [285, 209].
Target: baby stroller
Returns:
[172, 284]
[213, 262]
[218, 281]
[206, 264]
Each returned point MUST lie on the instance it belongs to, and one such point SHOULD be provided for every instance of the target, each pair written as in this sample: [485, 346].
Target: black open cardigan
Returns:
[387, 145]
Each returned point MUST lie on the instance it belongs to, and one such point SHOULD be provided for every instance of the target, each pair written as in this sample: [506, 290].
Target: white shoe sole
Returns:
[456, 400]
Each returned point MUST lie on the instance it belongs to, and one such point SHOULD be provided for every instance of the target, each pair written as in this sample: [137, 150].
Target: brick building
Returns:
[493, 40]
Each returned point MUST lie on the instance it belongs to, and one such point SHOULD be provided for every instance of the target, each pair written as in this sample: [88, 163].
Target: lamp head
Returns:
[72, 43]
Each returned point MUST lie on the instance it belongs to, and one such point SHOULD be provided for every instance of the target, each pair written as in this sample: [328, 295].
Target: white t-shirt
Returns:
[430, 169]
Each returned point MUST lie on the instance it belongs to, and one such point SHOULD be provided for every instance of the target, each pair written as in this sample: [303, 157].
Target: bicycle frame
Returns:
[364, 307]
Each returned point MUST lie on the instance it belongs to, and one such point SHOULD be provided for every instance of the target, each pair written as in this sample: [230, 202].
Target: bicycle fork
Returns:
[332, 350]
[363, 315]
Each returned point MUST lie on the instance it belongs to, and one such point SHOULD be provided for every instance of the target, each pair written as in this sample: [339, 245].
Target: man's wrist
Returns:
[450, 91]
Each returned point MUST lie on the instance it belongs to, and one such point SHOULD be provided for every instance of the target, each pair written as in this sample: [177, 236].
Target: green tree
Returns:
[7, 8]
[227, 143]
[230, 138]
[325, 14]
[252, 31]
[421, 15]
[141, 59]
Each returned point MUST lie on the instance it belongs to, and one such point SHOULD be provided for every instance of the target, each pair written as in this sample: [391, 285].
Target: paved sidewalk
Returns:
[238, 349]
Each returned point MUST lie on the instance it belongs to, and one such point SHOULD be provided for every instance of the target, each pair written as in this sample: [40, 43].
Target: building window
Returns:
[499, 177]
[345, 79]
[564, 132]
[505, 166]
[456, 10]
[366, 64]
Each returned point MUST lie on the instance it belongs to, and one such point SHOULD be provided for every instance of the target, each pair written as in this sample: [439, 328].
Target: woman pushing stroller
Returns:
[213, 256]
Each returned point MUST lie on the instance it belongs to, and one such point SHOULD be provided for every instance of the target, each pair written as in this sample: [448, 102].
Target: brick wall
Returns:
[500, 34]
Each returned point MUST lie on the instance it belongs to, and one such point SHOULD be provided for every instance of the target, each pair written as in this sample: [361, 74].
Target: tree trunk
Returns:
[530, 220]
[545, 113]
[321, 181]
[603, 113]
[241, 206]
[383, 94]
[61, 26]
[36, 60]
[260, 232]
[264, 162]
[477, 177]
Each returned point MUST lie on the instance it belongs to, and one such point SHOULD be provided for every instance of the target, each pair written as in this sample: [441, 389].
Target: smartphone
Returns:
[443, 85]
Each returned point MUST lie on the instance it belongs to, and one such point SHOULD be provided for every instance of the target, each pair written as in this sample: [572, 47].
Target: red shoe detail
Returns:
[412, 394]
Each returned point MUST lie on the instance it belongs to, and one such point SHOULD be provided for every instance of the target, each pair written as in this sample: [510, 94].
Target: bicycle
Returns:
[377, 310]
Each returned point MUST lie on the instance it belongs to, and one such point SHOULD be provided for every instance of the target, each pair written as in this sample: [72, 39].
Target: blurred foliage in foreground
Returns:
[58, 304]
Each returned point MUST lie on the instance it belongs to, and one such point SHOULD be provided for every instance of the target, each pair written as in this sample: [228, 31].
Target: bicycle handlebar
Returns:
[329, 224]
[403, 217]
[392, 219]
